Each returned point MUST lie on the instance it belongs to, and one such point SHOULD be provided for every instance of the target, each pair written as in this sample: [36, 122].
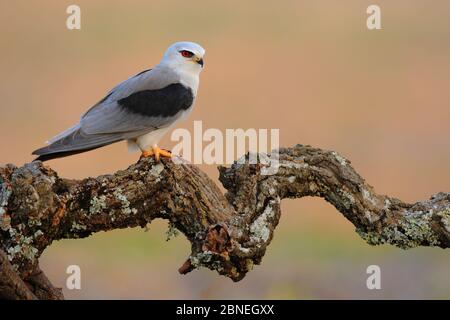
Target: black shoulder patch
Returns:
[165, 102]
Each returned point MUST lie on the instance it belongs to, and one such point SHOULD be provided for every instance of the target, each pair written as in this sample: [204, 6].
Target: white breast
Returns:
[191, 81]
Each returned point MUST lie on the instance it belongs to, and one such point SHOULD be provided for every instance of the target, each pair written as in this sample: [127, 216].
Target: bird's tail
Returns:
[74, 141]
[45, 154]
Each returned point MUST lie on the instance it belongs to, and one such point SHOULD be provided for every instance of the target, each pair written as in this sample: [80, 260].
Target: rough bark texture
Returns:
[229, 233]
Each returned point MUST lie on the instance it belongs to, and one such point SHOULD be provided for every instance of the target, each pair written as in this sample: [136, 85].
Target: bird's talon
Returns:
[147, 153]
[157, 153]
[165, 153]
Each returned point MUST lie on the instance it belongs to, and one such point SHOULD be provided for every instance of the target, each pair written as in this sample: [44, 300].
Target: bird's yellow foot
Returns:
[157, 153]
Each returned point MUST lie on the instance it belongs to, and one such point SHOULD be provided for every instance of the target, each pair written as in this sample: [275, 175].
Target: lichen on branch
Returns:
[229, 233]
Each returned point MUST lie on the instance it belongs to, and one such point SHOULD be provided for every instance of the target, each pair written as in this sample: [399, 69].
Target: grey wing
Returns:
[107, 122]
[109, 116]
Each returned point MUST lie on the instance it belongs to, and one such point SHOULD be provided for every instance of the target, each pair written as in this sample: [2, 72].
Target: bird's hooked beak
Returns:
[199, 61]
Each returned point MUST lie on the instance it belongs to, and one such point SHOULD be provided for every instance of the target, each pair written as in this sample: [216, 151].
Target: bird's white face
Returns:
[184, 56]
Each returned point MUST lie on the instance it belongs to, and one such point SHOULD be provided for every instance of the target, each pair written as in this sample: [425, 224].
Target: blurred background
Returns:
[310, 68]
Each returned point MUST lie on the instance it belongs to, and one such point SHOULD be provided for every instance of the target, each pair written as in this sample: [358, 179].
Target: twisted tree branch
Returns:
[228, 233]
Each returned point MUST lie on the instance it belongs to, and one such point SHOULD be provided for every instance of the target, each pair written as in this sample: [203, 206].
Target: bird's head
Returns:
[186, 56]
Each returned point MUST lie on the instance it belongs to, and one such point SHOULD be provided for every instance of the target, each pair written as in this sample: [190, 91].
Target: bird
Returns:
[139, 110]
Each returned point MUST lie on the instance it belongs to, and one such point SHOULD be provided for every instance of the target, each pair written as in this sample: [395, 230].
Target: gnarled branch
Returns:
[228, 233]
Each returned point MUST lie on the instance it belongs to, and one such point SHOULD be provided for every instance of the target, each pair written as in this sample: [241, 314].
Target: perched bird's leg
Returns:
[157, 153]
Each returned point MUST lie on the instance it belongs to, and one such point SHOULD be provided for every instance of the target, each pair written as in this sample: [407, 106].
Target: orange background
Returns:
[310, 68]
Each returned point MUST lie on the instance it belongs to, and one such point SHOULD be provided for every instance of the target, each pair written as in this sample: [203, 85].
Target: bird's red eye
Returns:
[186, 54]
